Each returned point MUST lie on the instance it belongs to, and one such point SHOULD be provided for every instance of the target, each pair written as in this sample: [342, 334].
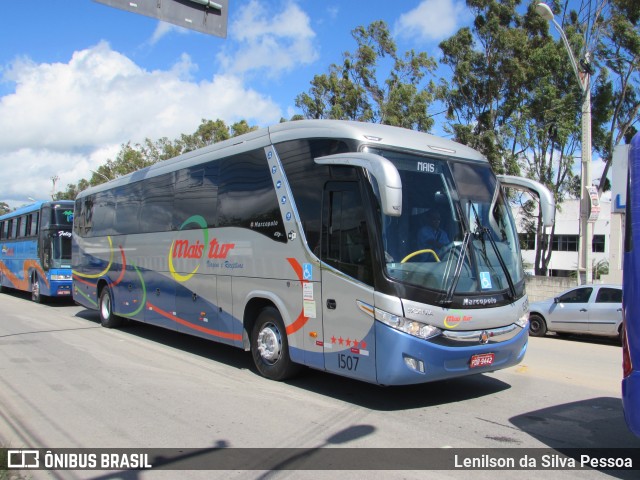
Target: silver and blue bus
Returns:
[35, 249]
[305, 243]
[631, 294]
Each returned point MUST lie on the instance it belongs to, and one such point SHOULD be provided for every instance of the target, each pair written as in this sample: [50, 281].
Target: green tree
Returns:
[616, 94]
[241, 127]
[208, 132]
[605, 38]
[510, 96]
[353, 90]
[493, 65]
[4, 208]
[551, 134]
[72, 190]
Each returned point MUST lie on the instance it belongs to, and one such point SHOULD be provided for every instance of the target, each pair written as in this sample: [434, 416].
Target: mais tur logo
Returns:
[184, 249]
[455, 319]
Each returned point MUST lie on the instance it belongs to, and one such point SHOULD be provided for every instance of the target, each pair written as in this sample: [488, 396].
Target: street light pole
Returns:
[583, 77]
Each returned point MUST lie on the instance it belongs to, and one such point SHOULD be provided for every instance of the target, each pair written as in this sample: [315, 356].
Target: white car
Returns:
[588, 309]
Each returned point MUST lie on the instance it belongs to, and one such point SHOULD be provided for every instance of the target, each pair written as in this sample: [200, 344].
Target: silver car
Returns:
[588, 309]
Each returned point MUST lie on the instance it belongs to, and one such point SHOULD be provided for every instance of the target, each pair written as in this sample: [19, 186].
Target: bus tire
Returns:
[35, 289]
[537, 325]
[107, 318]
[270, 347]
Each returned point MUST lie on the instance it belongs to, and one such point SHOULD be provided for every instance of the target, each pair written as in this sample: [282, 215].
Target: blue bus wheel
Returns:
[35, 289]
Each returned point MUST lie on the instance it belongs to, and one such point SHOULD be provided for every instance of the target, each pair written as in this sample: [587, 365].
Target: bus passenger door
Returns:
[347, 279]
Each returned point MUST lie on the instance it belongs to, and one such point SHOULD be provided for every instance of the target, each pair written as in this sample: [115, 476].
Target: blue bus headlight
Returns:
[412, 327]
[60, 277]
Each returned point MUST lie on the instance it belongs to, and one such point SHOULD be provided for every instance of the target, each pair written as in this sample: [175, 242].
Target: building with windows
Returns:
[564, 259]
[608, 236]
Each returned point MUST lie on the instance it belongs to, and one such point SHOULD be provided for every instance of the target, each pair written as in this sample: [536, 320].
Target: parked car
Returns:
[588, 309]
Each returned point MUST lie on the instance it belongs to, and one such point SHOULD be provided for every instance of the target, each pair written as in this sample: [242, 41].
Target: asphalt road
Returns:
[66, 382]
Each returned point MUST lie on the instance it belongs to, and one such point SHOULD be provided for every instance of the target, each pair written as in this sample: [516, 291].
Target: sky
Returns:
[79, 79]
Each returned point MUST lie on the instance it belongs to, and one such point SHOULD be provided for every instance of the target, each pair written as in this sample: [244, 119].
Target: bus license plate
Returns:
[482, 360]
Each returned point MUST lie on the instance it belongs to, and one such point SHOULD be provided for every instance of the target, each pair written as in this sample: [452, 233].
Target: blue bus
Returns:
[631, 295]
[35, 249]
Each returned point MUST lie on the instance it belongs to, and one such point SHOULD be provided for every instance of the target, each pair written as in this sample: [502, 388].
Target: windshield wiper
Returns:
[484, 231]
[448, 299]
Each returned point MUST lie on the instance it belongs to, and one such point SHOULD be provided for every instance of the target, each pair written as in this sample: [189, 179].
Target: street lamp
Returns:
[583, 77]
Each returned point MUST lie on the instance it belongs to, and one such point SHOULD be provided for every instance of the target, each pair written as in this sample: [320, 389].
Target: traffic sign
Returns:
[204, 16]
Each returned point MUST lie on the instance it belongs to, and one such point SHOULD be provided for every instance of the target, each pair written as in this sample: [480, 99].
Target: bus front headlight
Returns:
[60, 277]
[412, 327]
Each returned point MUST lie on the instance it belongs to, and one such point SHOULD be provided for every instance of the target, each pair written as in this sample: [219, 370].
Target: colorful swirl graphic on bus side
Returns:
[182, 248]
[82, 278]
[27, 266]
[105, 271]
[301, 320]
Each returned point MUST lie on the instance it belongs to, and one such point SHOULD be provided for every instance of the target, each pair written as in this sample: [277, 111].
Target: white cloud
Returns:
[432, 20]
[274, 44]
[67, 118]
[27, 173]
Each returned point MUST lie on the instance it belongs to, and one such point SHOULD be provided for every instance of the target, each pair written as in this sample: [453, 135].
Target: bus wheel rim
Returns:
[105, 308]
[270, 343]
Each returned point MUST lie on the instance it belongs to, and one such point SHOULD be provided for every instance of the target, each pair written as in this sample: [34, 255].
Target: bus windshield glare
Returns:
[456, 233]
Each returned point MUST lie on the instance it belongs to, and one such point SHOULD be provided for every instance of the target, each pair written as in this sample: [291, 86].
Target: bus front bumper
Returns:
[403, 359]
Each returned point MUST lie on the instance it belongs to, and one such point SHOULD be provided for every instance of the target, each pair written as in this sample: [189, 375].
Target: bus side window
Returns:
[345, 243]
[33, 228]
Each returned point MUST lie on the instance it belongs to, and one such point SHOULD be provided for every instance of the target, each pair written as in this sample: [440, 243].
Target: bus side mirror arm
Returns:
[385, 173]
[547, 203]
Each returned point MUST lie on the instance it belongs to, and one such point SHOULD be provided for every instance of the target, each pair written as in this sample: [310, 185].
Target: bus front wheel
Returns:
[107, 318]
[270, 347]
[35, 289]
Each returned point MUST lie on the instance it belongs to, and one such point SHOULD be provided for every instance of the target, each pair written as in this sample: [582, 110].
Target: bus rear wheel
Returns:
[270, 347]
[107, 318]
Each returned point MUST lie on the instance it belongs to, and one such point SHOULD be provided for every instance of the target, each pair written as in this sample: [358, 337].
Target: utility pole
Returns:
[587, 195]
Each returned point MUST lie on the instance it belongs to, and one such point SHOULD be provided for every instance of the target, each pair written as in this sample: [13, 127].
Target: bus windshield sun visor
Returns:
[379, 167]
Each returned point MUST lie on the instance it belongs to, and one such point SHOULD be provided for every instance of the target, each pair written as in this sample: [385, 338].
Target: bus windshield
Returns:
[62, 215]
[456, 233]
[61, 250]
